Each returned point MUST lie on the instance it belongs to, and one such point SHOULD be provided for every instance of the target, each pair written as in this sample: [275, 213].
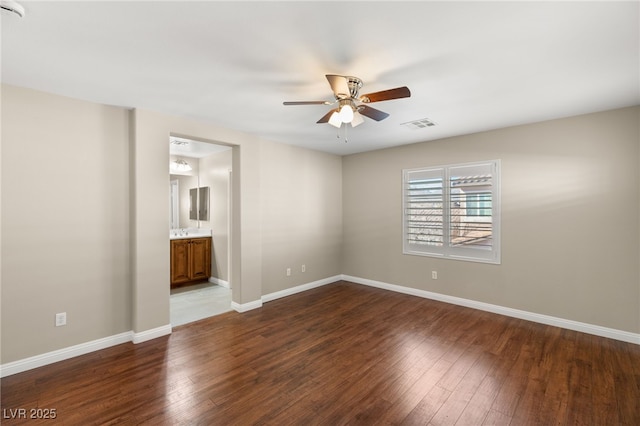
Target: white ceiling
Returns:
[470, 66]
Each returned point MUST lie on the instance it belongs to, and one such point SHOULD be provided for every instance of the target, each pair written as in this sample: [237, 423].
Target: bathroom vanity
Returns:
[190, 259]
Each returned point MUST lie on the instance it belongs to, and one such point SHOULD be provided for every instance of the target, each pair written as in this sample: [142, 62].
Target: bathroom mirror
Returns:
[181, 201]
[193, 204]
[194, 174]
[203, 203]
[199, 203]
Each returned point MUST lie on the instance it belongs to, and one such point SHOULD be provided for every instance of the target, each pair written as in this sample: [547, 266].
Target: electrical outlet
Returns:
[288, 272]
[434, 275]
[61, 319]
[304, 268]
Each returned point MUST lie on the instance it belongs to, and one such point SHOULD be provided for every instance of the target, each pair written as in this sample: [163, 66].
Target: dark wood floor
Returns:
[344, 354]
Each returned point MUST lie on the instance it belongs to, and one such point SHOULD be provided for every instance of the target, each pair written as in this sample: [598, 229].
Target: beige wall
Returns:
[301, 216]
[151, 244]
[214, 173]
[570, 219]
[86, 229]
[85, 219]
[65, 222]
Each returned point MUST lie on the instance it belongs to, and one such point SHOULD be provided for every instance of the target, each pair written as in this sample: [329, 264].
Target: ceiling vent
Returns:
[179, 142]
[419, 124]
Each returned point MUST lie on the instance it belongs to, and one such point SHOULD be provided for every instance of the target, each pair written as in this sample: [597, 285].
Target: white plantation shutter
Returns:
[424, 210]
[453, 211]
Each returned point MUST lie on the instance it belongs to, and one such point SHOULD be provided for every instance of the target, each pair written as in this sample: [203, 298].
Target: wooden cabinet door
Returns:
[190, 260]
[180, 261]
[200, 252]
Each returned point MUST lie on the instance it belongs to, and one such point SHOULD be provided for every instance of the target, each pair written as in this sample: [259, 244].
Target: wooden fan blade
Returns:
[326, 117]
[339, 85]
[372, 113]
[307, 103]
[386, 95]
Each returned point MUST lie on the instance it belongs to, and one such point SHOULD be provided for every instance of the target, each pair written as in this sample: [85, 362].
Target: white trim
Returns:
[597, 330]
[283, 293]
[244, 307]
[218, 281]
[41, 360]
[30, 363]
[304, 287]
[64, 353]
[154, 333]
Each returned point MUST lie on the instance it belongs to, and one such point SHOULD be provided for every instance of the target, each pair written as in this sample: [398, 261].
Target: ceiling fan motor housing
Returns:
[354, 84]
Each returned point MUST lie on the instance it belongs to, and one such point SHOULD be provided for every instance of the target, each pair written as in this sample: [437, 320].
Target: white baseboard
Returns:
[154, 333]
[283, 293]
[129, 336]
[83, 348]
[597, 330]
[62, 354]
[304, 287]
[218, 281]
[244, 307]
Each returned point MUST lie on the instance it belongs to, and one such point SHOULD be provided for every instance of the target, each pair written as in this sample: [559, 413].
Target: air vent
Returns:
[419, 124]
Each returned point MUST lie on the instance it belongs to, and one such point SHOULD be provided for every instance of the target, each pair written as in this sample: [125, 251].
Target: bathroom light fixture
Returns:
[180, 166]
[12, 6]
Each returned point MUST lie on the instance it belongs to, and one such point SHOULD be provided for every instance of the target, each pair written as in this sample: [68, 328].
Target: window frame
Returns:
[445, 248]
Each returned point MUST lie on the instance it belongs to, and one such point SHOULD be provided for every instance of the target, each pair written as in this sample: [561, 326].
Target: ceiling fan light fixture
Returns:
[335, 120]
[357, 119]
[346, 113]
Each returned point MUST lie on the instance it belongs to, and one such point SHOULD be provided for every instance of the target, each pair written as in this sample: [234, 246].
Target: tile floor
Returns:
[198, 301]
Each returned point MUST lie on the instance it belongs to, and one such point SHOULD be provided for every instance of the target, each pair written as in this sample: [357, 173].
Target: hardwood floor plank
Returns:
[563, 376]
[476, 408]
[496, 418]
[343, 354]
[428, 406]
[415, 393]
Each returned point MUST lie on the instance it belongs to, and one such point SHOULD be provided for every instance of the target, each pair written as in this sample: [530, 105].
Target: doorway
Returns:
[198, 167]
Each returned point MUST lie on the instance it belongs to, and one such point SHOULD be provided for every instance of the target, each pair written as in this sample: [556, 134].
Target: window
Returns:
[453, 211]
[478, 204]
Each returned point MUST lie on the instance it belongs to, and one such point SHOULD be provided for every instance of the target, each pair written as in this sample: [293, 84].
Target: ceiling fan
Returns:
[351, 105]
